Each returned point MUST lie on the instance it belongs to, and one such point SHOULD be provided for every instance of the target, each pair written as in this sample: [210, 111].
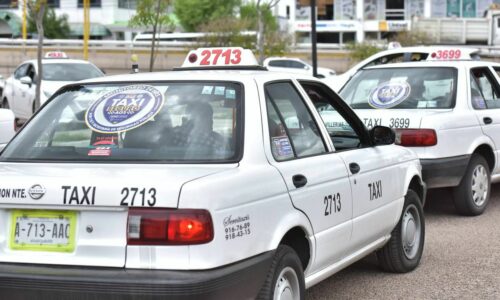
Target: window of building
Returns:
[93, 3]
[128, 4]
[8, 3]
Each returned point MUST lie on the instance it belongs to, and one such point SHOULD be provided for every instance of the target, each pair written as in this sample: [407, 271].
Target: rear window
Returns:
[69, 72]
[171, 122]
[403, 88]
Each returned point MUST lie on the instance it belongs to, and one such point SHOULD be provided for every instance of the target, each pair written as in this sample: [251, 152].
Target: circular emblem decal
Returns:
[36, 192]
[389, 94]
[124, 108]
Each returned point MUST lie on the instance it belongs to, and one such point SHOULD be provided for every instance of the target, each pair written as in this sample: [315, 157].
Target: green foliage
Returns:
[147, 13]
[413, 38]
[360, 51]
[192, 14]
[248, 12]
[226, 32]
[54, 27]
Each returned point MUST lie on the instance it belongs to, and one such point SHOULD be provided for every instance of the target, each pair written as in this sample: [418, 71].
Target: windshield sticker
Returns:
[100, 151]
[219, 90]
[282, 147]
[124, 109]
[389, 94]
[207, 90]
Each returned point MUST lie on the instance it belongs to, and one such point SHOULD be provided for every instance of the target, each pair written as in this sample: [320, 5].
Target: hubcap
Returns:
[480, 185]
[287, 285]
[411, 230]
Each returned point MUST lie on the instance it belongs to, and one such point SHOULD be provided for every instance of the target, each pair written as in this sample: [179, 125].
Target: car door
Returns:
[316, 178]
[485, 99]
[375, 173]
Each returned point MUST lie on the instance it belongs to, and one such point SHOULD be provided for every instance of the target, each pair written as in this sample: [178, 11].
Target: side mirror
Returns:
[26, 80]
[382, 135]
[306, 67]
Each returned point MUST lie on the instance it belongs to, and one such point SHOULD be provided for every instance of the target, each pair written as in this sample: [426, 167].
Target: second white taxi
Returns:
[216, 181]
[448, 112]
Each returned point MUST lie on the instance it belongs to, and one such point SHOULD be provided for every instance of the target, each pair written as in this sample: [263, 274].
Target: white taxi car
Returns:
[295, 65]
[7, 126]
[58, 70]
[404, 54]
[448, 112]
[216, 181]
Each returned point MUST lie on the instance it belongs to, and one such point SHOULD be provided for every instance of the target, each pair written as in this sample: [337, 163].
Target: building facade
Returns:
[109, 18]
[342, 21]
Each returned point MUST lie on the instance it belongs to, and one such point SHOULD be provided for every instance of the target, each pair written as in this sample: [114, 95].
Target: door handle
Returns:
[299, 180]
[354, 167]
[487, 120]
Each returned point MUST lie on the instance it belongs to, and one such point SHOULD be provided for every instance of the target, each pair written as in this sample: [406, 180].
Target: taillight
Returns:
[416, 137]
[152, 226]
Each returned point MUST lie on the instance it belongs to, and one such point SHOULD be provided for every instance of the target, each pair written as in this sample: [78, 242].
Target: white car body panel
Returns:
[6, 126]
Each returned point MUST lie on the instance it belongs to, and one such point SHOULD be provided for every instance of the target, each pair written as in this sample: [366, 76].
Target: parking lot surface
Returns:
[461, 260]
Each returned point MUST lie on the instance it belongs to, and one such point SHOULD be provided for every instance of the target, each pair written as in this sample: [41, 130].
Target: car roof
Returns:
[441, 63]
[205, 75]
[59, 61]
[429, 49]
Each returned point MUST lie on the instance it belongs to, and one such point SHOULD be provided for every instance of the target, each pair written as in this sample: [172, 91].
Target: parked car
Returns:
[7, 126]
[294, 65]
[404, 54]
[215, 181]
[448, 112]
[58, 70]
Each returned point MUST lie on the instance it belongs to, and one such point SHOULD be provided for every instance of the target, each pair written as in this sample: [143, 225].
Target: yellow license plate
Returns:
[43, 230]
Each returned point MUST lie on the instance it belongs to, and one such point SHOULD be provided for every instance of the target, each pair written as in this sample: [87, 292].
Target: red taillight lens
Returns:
[416, 137]
[169, 227]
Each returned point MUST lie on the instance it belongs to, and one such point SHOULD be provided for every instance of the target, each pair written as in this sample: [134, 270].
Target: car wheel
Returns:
[5, 103]
[285, 279]
[403, 251]
[472, 195]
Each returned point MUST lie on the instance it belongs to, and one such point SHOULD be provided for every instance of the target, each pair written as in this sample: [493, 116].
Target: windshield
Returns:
[174, 122]
[404, 88]
[70, 72]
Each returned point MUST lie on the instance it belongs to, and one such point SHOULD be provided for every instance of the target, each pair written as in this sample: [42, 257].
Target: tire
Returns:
[472, 195]
[404, 250]
[285, 277]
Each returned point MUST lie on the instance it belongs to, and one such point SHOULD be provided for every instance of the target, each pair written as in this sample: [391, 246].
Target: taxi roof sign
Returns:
[220, 57]
[56, 54]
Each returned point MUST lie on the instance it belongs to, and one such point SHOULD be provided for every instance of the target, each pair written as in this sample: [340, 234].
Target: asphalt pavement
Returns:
[461, 260]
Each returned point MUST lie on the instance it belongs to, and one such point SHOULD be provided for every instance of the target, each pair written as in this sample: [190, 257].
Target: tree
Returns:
[152, 13]
[192, 14]
[54, 27]
[266, 24]
[37, 10]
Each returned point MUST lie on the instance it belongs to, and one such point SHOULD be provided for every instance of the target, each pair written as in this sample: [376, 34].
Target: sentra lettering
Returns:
[372, 122]
[375, 190]
[79, 195]
[13, 193]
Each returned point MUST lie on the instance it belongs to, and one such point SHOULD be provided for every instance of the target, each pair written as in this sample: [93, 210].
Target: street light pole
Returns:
[86, 28]
[314, 39]
[24, 29]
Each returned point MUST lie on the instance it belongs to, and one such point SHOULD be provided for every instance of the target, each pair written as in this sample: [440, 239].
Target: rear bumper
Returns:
[241, 280]
[444, 172]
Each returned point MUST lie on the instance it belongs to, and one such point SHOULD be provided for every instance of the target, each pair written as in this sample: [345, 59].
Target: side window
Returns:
[30, 72]
[392, 58]
[485, 92]
[297, 65]
[340, 128]
[292, 129]
[278, 63]
[21, 71]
